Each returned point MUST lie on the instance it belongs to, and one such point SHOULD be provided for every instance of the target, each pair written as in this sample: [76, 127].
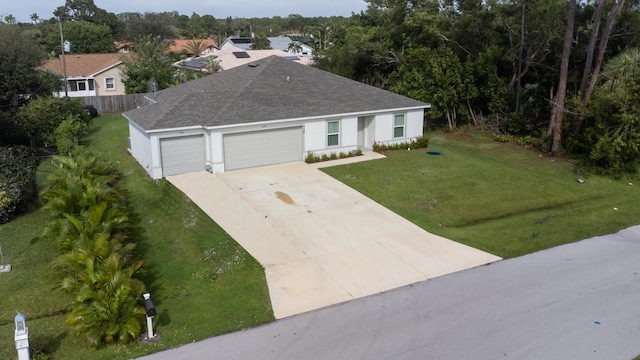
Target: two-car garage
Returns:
[240, 150]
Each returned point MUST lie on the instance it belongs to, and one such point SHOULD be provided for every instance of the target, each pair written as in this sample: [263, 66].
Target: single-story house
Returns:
[266, 112]
[231, 57]
[182, 45]
[284, 43]
[243, 43]
[89, 74]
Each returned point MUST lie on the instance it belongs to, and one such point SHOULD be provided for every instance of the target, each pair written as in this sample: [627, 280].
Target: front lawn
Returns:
[493, 196]
[202, 282]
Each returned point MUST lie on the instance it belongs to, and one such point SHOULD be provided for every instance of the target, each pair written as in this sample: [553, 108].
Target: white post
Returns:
[150, 327]
[22, 338]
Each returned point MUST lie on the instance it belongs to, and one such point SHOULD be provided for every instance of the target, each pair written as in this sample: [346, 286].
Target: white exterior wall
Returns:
[140, 147]
[145, 148]
[215, 152]
[315, 136]
[384, 128]
[349, 132]
[383, 133]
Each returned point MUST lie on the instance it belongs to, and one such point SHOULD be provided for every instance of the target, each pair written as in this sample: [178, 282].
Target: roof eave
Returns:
[319, 117]
[107, 68]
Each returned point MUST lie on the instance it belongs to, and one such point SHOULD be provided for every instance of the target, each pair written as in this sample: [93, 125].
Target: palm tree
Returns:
[294, 47]
[212, 65]
[10, 19]
[97, 263]
[34, 17]
[620, 69]
[106, 309]
[195, 47]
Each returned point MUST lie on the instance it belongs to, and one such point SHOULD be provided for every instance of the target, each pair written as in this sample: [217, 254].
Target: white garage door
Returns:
[259, 148]
[182, 155]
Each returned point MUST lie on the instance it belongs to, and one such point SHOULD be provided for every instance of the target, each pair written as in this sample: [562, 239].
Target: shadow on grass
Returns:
[138, 234]
[48, 343]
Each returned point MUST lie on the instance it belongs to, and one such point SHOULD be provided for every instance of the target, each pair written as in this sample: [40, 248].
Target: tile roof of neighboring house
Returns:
[182, 44]
[122, 45]
[268, 89]
[83, 65]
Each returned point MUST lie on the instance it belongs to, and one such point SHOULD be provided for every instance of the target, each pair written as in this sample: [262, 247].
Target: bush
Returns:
[528, 141]
[312, 158]
[42, 116]
[503, 138]
[16, 177]
[421, 142]
[69, 132]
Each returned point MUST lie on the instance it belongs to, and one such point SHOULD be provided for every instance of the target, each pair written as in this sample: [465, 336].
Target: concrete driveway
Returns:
[575, 301]
[321, 242]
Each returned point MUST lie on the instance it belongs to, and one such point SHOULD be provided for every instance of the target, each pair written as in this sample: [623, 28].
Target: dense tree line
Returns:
[527, 68]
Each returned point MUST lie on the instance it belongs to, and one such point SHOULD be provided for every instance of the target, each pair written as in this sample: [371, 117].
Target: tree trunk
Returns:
[520, 54]
[597, 20]
[564, 74]
[472, 114]
[602, 47]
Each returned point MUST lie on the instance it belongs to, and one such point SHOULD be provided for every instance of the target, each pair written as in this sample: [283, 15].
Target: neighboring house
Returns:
[182, 45]
[267, 112]
[277, 43]
[285, 43]
[231, 57]
[89, 74]
[123, 47]
[243, 43]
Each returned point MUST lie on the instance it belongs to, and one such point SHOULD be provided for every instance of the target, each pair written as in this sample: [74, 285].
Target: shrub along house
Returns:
[267, 112]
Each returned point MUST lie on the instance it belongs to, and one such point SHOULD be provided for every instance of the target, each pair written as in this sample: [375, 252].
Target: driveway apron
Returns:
[321, 242]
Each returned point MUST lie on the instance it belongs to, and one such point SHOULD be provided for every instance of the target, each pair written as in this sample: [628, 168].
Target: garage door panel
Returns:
[182, 155]
[260, 148]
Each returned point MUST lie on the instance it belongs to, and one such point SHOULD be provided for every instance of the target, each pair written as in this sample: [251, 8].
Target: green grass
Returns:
[202, 282]
[493, 196]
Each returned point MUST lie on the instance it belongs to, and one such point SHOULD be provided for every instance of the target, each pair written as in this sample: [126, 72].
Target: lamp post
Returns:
[22, 338]
[151, 312]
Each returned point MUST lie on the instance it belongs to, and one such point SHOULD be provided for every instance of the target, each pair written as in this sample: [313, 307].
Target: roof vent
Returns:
[253, 65]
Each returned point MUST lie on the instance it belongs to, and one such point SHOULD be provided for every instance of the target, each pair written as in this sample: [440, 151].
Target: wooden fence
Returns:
[115, 103]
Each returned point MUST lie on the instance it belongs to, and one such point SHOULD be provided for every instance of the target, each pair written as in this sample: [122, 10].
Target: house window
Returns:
[73, 85]
[333, 133]
[91, 85]
[82, 86]
[398, 126]
[110, 83]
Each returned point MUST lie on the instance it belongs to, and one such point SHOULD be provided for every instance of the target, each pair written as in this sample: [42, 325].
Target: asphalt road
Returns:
[577, 301]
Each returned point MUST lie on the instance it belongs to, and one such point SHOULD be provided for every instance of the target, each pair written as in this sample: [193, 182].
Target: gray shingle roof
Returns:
[275, 89]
